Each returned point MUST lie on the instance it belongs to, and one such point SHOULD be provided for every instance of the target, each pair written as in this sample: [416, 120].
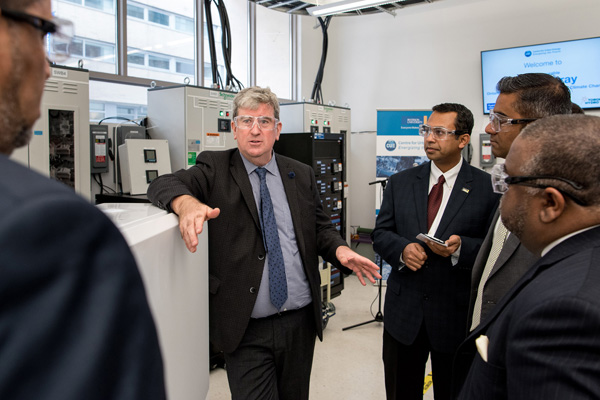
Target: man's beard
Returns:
[515, 221]
[14, 130]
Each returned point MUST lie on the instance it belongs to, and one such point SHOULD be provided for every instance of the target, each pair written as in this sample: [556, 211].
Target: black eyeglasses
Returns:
[497, 120]
[60, 33]
[38, 23]
[501, 180]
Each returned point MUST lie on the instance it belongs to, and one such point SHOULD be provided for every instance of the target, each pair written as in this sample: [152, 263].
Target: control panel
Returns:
[325, 153]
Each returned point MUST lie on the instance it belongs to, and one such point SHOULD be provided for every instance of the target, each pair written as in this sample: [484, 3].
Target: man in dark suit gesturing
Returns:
[541, 341]
[428, 289]
[74, 319]
[266, 230]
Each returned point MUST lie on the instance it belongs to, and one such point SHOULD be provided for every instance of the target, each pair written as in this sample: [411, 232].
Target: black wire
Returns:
[98, 179]
[317, 94]
[211, 42]
[121, 118]
[230, 80]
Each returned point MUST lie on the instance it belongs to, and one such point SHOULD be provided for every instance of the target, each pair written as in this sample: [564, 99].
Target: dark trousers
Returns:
[404, 367]
[274, 360]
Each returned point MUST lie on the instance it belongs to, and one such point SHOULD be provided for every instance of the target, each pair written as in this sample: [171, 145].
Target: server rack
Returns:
[325, 153]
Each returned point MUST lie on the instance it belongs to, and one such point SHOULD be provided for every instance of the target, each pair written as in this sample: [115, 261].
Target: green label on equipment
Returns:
[191, 158]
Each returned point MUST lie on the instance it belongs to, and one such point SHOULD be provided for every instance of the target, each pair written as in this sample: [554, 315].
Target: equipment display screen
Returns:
[151, 175]
[149, 155]
[576, 62]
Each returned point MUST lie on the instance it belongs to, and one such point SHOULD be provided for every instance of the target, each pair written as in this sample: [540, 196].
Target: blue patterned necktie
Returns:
[277, 281]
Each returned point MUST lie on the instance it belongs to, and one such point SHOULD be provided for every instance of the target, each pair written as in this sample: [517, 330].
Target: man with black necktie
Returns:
[266, 230]
[427, 296]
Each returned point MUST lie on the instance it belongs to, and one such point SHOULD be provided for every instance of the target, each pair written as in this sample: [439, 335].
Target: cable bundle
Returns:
[317, 94]
[231, 82]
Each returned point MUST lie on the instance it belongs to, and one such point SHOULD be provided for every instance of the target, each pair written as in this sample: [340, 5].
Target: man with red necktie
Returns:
[427, 296]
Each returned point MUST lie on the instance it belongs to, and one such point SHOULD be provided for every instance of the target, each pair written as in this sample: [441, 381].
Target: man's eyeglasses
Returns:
[501, 180]
[59, 32]
[497, 120]
[247, 122]
[439, 132]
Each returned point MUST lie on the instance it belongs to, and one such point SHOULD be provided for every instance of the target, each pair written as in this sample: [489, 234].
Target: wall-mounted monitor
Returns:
[576, 62]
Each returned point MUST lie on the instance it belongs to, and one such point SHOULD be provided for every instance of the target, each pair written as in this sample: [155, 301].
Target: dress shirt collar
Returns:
[449, 176]
[562, 239]
[271, 165]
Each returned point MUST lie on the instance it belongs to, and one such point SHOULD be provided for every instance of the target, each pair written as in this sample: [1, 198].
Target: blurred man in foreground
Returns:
[74, 320]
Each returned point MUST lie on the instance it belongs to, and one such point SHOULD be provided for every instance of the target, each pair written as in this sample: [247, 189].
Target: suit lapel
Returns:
[240, 176]
[289, 180]
[565, 249]
[421, 191]
[460, 192]
[510, 246]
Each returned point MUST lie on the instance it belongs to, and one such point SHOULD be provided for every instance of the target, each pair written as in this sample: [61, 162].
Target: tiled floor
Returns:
[347, 364]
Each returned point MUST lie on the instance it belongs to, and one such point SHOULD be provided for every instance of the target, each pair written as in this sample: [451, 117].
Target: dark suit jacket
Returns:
[237, 253]
[438, 293]
[514, 259]
[544, 340]
[74, 320]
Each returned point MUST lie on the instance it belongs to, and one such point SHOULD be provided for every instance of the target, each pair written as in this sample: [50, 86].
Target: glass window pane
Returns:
[95, 25]
[135, 57]
[158, 17]
[273, 51]
[185, 67]
[237, 11]
[184, 24]
[96, 111]
[158, 62]
[115, 99]
[77, 47]
[104, 5]
[165, 37]
[135, 11]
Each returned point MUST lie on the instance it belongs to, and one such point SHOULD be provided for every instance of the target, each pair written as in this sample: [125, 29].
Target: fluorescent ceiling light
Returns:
[345, 6]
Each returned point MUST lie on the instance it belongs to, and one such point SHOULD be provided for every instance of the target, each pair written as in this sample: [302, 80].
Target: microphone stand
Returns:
[379, 315]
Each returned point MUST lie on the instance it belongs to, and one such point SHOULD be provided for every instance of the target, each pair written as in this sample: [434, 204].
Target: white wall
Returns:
[428, 54]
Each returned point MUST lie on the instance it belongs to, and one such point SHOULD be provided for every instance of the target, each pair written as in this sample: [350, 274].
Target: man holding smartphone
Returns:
[427, 296]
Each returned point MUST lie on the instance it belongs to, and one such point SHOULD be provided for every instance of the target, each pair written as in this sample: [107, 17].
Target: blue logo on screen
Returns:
[528, 53]
[390, 145]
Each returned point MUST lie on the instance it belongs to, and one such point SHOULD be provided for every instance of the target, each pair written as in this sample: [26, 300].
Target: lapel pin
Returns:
[465, 190]
[292, 175]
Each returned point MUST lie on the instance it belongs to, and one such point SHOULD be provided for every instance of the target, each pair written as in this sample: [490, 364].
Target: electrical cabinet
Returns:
[315, 118]
[142, 161]
[192, 119]
[60, 145]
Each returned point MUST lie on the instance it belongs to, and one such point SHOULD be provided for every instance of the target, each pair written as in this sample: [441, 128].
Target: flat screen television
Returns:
[576, 62]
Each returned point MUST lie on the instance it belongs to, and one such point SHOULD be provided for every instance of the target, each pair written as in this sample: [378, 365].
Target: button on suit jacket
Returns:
[236, 249]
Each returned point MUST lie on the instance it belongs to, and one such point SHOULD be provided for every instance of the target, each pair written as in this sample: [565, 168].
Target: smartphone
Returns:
[424, 237]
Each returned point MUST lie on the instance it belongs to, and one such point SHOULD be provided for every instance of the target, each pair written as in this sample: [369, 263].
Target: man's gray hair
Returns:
[253, 97]
[566, 147]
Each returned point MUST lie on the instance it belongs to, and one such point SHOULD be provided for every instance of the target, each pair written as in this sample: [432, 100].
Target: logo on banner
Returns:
[528, 53]
[413, 120]
[390, 145]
